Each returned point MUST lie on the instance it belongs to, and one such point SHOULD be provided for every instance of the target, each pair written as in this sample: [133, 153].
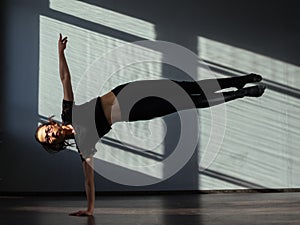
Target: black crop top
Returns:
[89, 123]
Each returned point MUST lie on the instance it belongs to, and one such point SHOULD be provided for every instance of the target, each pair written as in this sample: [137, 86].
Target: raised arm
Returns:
[64, 72]
[88, 166]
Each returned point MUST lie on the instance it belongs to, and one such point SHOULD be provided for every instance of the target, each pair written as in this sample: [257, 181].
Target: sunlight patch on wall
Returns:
[111, 19]
[83, 48]
[260, 147]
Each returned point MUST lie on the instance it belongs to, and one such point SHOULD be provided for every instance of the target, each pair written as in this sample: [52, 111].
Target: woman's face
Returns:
[51, 134]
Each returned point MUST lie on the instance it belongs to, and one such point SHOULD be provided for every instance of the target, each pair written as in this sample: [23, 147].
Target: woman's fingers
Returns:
[75, 213]
[62, 43]
[80, 213]
[61, 39]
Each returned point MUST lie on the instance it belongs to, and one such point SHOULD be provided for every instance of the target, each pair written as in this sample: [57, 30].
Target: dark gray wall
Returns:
[264, 27]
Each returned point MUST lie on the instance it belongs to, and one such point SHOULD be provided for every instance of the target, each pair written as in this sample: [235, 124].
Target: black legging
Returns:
[202, 94]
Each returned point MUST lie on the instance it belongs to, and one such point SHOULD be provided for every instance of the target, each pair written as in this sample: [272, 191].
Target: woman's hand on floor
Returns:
[81, 213]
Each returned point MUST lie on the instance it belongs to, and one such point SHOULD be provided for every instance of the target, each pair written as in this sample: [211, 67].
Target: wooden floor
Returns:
[194, 209]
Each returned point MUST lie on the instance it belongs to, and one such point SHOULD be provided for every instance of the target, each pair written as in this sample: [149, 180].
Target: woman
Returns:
[92, 120]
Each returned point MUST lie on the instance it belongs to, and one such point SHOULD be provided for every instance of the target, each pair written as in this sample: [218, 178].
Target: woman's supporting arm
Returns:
[88, 166]
[88, 169]
[64, 69]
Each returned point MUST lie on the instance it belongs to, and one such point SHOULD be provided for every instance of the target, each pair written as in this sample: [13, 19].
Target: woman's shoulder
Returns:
[66, 114]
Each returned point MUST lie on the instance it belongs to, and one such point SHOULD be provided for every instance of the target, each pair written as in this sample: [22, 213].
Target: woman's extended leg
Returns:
[152, 107]
[213, 99]
[213, 85]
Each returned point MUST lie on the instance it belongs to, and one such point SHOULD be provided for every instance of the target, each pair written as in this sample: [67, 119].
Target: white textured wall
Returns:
[260, 145]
